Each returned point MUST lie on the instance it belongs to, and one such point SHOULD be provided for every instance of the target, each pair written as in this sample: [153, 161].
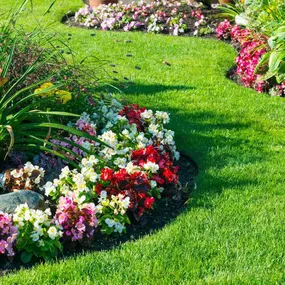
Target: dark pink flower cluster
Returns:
[252, 47]
[280, 89]
[247, 60]
[223, 31]
[8, 235]
[78, 222]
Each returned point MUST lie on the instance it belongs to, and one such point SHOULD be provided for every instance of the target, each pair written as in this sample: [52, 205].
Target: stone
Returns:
[10, 201]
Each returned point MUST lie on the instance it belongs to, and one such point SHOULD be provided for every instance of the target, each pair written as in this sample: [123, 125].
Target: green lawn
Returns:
[233, 231]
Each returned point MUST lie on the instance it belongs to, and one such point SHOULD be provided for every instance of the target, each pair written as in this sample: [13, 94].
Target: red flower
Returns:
[107, 174]
[148, 202]
[133, 114]
[98, 188]
[121, 175]
[158, 179]
[170, 176]
[141, 211]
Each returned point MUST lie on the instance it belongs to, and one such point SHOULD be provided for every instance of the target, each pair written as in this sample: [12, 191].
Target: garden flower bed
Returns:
[119, 179]
[166, 17]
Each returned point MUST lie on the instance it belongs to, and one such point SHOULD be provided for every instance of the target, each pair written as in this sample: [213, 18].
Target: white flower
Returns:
[27, 215]
[86, 145]
[152, 167]
[52, 232]
[119, 227]
[103, 195]
[38, 180]
[35, 236]
[125, 133]
[162, 116]
[176, 155]
[153, 129]
[120, 162]
[126, 202]
[153, 183]
[81, 200]
[28, 167]
[131, 168]
[49, 188]
[93, 159]
[99, 208]
[17, 173]
[64, 172]
[48, 212]
[110, 223]
[147, 114]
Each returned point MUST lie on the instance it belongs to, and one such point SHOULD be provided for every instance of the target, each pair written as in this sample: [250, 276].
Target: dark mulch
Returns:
[166, 211]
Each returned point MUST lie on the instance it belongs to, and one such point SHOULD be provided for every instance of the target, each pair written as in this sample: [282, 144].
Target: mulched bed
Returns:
[165, 212]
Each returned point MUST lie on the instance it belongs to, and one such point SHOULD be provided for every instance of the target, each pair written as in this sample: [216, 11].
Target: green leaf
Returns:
[26, 256]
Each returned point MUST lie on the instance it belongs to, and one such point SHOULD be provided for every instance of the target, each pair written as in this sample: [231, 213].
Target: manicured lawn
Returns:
[233, 230]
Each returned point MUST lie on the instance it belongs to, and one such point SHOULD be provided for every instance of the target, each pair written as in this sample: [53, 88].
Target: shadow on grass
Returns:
[137, 88]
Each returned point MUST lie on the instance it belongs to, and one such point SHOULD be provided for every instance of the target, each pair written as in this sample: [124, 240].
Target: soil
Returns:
[167, 209]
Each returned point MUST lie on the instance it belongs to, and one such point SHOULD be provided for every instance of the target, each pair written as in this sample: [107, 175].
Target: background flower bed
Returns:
[167, 17]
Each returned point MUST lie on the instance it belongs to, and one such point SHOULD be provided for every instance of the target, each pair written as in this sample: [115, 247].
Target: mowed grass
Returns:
[233, 231]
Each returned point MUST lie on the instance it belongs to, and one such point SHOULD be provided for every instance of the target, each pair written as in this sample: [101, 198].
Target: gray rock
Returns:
[9, 202]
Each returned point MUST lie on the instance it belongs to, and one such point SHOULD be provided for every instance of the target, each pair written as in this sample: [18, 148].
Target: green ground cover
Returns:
[233, 230]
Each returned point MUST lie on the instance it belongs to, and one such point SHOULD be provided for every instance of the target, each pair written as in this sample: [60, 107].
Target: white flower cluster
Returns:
[41, 221]
[27, 176]
[119, 204]
[115, 206]
[107, 115]
[118, 227]
[74, 182]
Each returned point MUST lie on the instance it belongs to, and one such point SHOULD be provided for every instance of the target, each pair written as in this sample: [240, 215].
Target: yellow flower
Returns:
[43, 87]
[63, 96]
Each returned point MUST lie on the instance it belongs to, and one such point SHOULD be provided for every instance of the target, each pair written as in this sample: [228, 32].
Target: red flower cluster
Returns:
[135, 185]
[167, 171]
[133, 114]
